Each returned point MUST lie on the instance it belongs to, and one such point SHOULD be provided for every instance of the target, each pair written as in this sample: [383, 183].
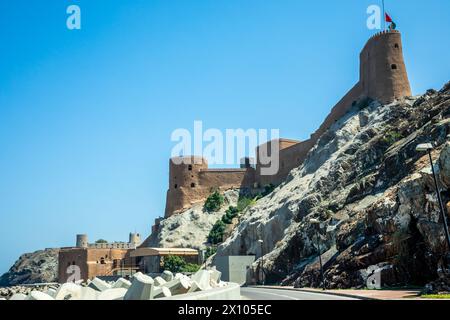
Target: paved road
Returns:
[249, 293]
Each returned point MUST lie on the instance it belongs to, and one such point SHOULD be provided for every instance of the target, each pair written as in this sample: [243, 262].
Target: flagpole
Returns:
[384, 17]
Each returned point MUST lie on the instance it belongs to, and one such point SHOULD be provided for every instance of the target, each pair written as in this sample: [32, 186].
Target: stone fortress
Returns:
[382, 77]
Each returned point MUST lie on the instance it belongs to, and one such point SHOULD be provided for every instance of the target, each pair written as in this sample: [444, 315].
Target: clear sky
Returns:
[86, 115]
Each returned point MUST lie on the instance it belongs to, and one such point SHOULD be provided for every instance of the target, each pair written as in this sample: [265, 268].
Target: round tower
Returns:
[183, 171]
[135, 239]
[383, 75]
[183, 182]
[82, 241]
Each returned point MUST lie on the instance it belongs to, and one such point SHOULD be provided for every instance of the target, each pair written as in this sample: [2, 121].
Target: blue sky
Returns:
[86, 115]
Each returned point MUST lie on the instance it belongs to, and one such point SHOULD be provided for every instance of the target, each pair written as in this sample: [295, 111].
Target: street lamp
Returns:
[317, 222]
[262, 261]
[427, 147]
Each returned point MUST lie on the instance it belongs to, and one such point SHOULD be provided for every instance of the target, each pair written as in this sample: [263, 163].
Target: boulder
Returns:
[141, 288]
[444, 164]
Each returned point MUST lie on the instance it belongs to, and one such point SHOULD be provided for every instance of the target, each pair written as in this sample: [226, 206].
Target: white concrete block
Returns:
[161, 292]
[215, 276]
[179, 275]
[89, 293]
[112, 294]
[202, 278]
[178, 286]
[194, 287]
[167, 275]
[121, 283]
[1, 299]
[38, 295]
[99, 284]
[141, 288]
[51, 292]
[159, 281]
[18, 296]
[68, 291]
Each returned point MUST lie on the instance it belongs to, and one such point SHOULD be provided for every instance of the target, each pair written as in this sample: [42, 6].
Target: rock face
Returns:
[37, 267]
[373, 195]
[190, 228]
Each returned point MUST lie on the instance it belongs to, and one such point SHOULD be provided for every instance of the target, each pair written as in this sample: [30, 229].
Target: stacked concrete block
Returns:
[38, 295]
[214, 277]
[167, 275]
[159, 281]
[202, 278]
[18, 296]
[121, 283]
[112, 294]
[88, 293]
[161, 292]
[178, 285]
[99, 284]
[68, 291]
[51, 292]
[141, 288]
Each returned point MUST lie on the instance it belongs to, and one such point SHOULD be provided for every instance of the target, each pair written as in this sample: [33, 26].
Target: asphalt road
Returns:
[250, 293]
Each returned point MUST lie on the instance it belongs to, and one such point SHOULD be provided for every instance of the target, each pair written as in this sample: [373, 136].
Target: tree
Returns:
[216, 234]
[101, 241]
[174, 263]
[214, 202]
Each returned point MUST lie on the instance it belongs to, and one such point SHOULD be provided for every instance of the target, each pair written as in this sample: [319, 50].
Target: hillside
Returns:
[37, 267]
[373, 195]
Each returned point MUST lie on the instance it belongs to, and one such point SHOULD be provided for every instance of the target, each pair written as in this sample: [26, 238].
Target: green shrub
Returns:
[210, 251]
[231, 213]
[391, 137]
[190, 267]
[214, 202]
[217, 232]
[101, 241]
[178, 264]
[244, 202]
[174, 263]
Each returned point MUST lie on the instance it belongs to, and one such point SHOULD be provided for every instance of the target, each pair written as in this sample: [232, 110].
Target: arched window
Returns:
[396, 46]
[175, 186]
[394, 67]
[190, 167]
[192, 185]
[102, 260]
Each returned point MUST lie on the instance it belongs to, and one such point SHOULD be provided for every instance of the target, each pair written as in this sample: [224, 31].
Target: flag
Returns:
[388, 18]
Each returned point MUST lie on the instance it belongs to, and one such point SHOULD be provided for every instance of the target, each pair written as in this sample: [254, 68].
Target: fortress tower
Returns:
[382, 77]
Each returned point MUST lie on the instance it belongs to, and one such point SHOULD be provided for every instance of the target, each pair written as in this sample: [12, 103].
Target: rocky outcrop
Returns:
[37, 267]
[190, 228]
[373, 195]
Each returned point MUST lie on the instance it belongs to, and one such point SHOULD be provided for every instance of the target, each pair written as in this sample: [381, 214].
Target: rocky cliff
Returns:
[37, 267]
[374, 198]
[190, 228]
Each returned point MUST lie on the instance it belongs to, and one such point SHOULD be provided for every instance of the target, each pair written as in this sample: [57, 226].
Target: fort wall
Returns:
[383, 77]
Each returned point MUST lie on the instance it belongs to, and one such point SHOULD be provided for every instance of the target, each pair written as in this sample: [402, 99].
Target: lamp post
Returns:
[317, 222]
[427, 147]
[262, 261]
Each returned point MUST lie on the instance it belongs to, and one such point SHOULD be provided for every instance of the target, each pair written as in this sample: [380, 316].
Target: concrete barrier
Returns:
[230, 292]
